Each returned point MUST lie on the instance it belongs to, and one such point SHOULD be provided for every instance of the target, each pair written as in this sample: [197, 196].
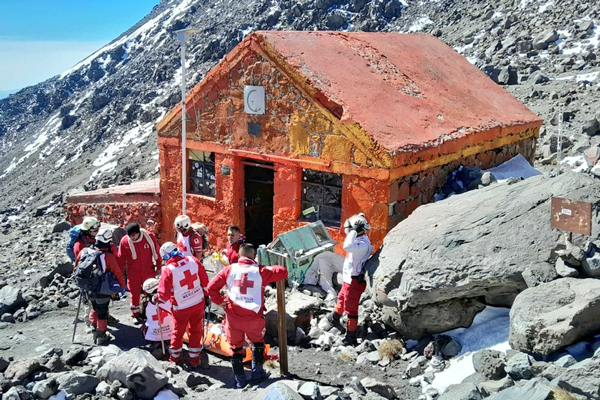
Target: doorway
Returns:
[258, 202]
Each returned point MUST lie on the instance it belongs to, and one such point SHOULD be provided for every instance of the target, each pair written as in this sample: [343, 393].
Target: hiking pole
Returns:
[77, 317]
[162, 342]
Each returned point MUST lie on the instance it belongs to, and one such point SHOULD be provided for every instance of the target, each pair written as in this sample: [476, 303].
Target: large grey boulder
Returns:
[442, 264]
[74, 382]
[553, 315]
[490, 363]
[11, 299]
[21, 369]
[582, 378]
[462, 391]
[535, 389]
[279, 391]
[138, 371]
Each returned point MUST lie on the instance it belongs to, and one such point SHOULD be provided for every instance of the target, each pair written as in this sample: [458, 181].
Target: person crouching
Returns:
[159, 322]
[183, 281]
[244, 309]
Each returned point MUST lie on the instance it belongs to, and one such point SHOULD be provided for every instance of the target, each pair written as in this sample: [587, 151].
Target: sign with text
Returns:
[571, 216]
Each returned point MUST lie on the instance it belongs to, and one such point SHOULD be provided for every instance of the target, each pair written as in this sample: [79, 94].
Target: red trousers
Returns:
[237, 329]
[349, 297]
[189, 319]
[135, 280]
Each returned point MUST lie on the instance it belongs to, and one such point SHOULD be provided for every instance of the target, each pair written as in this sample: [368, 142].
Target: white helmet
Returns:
[150, 285]
[357, 222]
[168, 250]
[200, 228]
[90, 223]
[183, 222]
[105, 236]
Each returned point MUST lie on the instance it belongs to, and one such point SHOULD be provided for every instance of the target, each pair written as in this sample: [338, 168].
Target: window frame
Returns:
[193, 180]
[304, 204]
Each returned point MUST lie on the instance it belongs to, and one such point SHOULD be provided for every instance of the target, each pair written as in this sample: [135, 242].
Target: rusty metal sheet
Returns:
[571, 215]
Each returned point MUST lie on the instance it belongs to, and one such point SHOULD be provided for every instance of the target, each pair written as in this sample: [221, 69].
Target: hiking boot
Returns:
[112, 320]
[258, 358]
[335, 320]
[175, 360]
[238, 371]
[101, 338]
[350, 339]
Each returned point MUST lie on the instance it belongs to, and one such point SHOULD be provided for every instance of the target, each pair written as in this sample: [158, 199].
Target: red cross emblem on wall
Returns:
[189, 280]
[243, 283]
[163, 315]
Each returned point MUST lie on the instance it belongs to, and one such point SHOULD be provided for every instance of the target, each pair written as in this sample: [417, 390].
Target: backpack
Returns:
[74, 234]
[90, 276]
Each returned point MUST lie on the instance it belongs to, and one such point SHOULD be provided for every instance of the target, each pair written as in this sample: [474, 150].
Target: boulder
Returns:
[137, 370]
[462, 391]
[21, 369]
[61, 227]
[490, 363]
[591, 265]
[489, 388]
[538, 273]
[553, 315]
[44, 389]
[519, 366]
[280, 391]
[434, 273]
[11, 299]
[582, 378]
[535, 389]
[541, 41]
[74, 382]
[382, 389]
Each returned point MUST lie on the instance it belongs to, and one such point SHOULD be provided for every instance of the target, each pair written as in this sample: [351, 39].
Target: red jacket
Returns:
[268, 274]
[143, 252]
[195, 242]
[165, 287]
[82, 243]
[233, 250]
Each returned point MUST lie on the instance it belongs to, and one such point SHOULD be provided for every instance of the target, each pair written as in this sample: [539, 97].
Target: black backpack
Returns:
[88, 273]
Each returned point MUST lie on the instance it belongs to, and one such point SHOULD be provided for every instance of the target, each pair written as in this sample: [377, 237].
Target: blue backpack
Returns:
[74, 234]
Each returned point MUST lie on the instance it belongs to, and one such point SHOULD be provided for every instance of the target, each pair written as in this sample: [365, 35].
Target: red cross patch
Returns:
[189, 280]
[243, 283]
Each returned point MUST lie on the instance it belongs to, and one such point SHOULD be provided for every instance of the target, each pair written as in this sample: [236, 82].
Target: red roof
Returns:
[405, 90]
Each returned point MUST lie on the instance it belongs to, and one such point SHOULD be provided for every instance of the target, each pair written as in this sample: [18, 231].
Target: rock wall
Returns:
[148, 215]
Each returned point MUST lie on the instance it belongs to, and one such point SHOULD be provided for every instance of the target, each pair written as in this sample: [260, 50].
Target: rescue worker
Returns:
[358, 248]
[234, 240]
[89, 230]
[203, 231]
[100, 303]
[183, 281]
[189, 242]
[139, 252]
[159, 322]
[245, 283]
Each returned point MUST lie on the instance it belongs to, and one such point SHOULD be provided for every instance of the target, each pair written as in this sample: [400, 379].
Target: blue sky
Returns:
[42, 38]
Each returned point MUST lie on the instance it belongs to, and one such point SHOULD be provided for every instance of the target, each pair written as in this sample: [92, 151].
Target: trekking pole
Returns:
[77, 317]
[162, 342]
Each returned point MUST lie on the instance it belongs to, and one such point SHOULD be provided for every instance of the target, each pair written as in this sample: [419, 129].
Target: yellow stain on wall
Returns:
[360, 157]
[319, 124]
[299, 139]
[337, 148]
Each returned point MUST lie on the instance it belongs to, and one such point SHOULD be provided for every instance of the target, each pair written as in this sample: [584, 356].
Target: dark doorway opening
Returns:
[258, 202]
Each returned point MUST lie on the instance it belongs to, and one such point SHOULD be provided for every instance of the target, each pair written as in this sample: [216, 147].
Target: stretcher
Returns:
[215, 341]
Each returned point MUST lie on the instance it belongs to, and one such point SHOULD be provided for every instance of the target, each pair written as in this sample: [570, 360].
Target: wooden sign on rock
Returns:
[571, 215]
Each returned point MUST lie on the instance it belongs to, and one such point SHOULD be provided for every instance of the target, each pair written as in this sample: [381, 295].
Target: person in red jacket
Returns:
[100, 303]
[244, 308]
[183, 281]
[89, 230]
[139, 252]
[234, 240]
[189, 242]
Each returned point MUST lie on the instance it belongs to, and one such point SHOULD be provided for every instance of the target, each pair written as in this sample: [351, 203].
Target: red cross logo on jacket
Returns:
[189, 280]
[243, 283]
[163, 315]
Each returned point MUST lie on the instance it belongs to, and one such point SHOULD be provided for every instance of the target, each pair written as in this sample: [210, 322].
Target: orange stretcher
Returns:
[215, 341]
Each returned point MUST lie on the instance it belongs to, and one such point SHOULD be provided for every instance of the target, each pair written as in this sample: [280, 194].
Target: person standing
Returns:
[234, 240]
[358, 248]
[189, 242]
[100, 302]
[183, 281]
[88, 231]
[245, 283]
[139, 252]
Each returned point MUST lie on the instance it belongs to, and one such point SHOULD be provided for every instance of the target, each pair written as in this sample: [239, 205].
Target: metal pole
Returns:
[183, 131]
[559, 140]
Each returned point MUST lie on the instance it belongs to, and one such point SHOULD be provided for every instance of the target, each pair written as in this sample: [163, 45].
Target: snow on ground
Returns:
[544, 7]
[103, 169]
[579, 46]
[576, 163]
[489, 330]
[419, 24]
[588, 76]
[133, 136]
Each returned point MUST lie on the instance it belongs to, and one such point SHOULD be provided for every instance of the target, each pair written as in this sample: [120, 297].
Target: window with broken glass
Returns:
[201, 172]
[321, 197]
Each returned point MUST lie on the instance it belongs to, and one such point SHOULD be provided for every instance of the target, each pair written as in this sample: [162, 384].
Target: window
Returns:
[321, 197]
[202, 172]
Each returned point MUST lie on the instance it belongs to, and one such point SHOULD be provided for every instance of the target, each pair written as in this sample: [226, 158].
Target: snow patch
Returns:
[419, 24]
[576, 163]
[133, 136]
[103, 169]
